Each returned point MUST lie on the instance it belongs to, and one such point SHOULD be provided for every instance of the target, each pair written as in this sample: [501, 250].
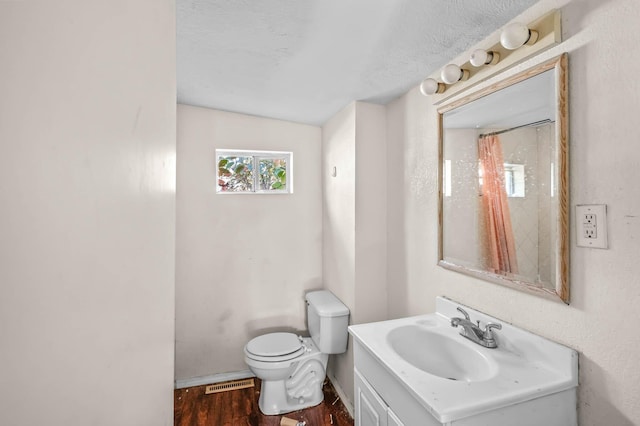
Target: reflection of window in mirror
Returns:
[446, 178]
[514, 179]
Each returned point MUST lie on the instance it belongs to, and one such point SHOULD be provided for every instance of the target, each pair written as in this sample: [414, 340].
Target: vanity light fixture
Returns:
[452, 74]
[482, 57]
[537, 35]
[429, 86]
[516, 35]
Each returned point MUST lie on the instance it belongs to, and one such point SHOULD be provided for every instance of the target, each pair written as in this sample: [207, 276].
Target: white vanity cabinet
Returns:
[370, 408]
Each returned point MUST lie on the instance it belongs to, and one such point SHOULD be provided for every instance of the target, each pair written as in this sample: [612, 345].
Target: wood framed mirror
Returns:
[503, 179]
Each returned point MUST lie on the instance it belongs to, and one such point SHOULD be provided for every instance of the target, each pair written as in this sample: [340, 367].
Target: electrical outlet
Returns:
[591, 224]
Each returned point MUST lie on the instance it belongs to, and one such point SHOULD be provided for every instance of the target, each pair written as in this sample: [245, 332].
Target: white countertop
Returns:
[528, 366]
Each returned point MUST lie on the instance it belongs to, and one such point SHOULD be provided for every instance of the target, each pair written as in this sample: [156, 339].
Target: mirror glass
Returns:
[504, 192]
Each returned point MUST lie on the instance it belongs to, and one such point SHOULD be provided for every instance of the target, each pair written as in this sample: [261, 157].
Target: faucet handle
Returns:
[488, 335]
[466, 315]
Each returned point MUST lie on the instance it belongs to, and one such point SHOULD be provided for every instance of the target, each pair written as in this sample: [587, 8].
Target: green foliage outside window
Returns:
[235, 174]
[273, 174]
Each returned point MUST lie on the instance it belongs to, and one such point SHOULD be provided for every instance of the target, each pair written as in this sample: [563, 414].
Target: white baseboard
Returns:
[213, 378]
[343, 396]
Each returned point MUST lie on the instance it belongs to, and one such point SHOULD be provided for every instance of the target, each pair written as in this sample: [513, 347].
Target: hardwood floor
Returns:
[240, 407]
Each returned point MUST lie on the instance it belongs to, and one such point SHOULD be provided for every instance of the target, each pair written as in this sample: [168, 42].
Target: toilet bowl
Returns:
[292, 368]
[290, 380]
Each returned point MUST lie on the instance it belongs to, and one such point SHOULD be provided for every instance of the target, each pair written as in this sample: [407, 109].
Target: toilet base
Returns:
[273, 399]
[303, 389]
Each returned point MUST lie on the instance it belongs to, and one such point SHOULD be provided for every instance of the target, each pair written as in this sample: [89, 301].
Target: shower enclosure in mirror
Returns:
[504, 182]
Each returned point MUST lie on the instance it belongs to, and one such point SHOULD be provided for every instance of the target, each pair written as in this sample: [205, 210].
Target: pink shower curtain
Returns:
[500, 240]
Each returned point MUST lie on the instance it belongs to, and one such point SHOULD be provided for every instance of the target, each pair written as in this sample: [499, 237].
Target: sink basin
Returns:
[422, 365]
[440, 355]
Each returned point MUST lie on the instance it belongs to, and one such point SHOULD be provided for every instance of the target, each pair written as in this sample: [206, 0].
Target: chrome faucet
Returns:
[473, 331]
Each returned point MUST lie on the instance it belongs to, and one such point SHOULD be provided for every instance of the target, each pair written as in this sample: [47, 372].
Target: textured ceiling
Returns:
[304, 60]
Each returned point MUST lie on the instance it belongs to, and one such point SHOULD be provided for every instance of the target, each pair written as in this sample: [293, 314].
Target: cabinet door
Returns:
[370, 409]
[392, 420]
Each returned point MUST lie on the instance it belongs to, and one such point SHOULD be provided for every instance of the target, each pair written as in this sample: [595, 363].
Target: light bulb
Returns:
[516, 34]
[481, 57]
[452, 74]
[429, 86]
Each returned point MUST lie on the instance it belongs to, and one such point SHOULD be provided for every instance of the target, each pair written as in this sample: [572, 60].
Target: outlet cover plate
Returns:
[591, 225]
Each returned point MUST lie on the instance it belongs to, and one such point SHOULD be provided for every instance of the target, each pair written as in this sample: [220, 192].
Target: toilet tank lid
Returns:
[327, 304]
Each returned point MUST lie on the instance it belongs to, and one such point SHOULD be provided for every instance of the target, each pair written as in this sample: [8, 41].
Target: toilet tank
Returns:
[327, 319]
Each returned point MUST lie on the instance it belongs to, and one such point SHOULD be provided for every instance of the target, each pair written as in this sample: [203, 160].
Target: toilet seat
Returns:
[275, 347]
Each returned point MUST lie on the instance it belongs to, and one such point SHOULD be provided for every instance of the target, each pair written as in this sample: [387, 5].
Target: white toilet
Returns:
[292, 368]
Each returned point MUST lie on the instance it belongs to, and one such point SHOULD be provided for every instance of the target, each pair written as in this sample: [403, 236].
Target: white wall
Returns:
[243, 262]
[339, 222]
[87, 189]
[355, 214]
[601, 321]
[339, 207]
[371, 213]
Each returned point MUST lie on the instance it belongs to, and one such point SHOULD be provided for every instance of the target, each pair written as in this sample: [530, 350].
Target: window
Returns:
[265, 172]
[514, 179]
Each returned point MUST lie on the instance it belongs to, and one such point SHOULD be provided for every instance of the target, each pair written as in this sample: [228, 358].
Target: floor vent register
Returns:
[229, 386]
